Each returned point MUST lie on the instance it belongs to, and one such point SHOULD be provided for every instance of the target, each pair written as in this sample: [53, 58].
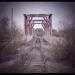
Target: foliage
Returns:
[7, 35]
[64, 52]
[39, 32]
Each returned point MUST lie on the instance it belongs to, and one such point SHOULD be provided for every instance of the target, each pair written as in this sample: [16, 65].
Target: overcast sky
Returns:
[62, 11]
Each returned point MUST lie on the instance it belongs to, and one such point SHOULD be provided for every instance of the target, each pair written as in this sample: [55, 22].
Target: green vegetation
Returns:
[8, 42]
[39, 32]
[64, 52]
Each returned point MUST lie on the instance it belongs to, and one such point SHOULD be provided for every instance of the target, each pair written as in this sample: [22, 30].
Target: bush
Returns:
[65, 53]
[59, 52]
[7, 35]
[70, 37]
[4, 29]
[55, 33]
[39, 32]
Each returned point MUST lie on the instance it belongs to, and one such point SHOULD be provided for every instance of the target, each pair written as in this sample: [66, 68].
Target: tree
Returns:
[4, 29]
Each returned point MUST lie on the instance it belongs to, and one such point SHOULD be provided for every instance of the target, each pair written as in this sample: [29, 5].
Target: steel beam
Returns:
[37, 15]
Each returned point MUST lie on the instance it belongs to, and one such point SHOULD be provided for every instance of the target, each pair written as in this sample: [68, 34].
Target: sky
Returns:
[61, 12]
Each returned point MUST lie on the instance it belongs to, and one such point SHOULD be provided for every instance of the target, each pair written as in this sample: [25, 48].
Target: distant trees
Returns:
[54, 32]
[68, 34]
[39, 32]
[4, 29]
[7, 34]
[61, 25]
[14, 31]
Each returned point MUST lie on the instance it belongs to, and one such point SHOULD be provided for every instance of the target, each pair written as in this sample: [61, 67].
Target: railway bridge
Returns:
[32, 19]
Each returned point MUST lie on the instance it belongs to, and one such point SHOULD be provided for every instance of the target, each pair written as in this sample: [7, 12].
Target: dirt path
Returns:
[34, 59]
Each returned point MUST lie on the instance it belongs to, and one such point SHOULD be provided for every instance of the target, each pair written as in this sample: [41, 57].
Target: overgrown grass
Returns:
[7, 36]
[64, 52]
[58, 52]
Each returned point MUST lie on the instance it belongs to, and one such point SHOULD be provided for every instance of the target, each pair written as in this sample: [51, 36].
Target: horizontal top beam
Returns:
[37, 20]
[37, 15]
[37, 23]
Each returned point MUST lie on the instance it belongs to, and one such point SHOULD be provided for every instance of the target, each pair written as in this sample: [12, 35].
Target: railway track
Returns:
[36, 62]
[34, 59]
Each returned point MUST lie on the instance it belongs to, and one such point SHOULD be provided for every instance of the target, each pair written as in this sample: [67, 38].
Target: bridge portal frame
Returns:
[46, 23]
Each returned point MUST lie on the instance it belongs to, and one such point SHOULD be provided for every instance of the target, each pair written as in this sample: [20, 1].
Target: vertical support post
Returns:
[31, 26]
[25, 19]
[50, 21]
[25, 23]
[48, 24]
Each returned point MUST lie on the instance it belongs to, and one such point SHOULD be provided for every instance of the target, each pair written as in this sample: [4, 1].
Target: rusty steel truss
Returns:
[46, 22]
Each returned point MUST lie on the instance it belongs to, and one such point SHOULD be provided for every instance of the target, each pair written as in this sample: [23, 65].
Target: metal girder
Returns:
[37, 23]
[37, 15]
[37, 20]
